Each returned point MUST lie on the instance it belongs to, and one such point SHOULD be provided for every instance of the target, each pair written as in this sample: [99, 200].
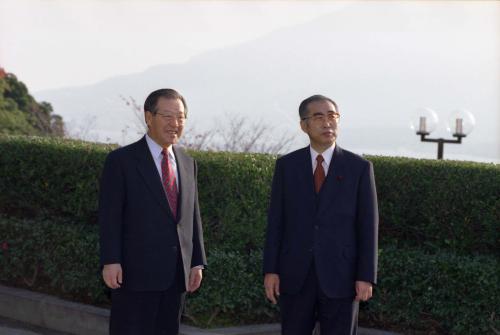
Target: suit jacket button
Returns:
[174, 249]
[316, 227]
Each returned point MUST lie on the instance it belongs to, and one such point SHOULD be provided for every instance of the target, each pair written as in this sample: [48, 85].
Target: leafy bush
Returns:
[50, 177]
[232, 290]
[436, 204]
[52, 257]
[444, 292]
[426, 203]
[234, 192]
[450, 293]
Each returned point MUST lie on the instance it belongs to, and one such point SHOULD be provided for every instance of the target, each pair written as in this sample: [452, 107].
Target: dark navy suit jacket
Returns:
[337, 228]
[137, 227]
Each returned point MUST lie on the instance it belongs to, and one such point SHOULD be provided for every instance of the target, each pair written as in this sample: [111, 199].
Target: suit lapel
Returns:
[147, 169]
[305, 178]
[184, 180]
[330, 190]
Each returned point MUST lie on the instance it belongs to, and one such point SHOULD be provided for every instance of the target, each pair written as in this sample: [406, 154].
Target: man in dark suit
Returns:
[320, 255]
[150, 228]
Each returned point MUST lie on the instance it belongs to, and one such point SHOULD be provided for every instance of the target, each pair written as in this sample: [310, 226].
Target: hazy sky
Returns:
[384, 58]
[57, 43]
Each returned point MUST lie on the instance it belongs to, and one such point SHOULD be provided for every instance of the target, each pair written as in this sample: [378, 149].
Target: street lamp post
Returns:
[440, 141]
[462, 120]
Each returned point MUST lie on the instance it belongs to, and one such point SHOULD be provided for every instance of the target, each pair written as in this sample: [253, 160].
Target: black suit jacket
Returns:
[336, 228]
[137, 227]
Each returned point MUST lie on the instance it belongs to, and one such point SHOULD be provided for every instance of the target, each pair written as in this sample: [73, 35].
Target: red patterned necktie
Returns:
[168, 180]
[319, 174]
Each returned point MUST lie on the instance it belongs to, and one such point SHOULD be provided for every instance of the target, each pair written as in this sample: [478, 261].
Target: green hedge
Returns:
[50, 177]
[234, 197]
[57, 258]
[232, 291]
[426, 203]
[443, 292]
[439, 204]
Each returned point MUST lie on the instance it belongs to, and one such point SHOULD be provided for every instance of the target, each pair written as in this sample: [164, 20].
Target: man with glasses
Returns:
[320, 254]
[150, 228]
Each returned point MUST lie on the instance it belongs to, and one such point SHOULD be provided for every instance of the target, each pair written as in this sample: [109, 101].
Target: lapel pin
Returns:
[339, 178]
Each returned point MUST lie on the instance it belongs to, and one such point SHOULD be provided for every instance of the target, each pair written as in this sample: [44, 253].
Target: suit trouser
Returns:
[148, 312]
[299, 312]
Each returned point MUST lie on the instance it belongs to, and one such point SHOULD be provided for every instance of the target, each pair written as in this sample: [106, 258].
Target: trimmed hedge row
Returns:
[234, 197]
[444, 292]
[50, 177]
[426, 203]
[57, 258]
[439, 204]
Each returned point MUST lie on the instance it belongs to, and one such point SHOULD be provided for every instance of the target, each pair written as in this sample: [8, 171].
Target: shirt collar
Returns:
[156, 149]
[327, 154]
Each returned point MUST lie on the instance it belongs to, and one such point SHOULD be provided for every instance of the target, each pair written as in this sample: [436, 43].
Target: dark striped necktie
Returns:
[169, 184]
[319, 174]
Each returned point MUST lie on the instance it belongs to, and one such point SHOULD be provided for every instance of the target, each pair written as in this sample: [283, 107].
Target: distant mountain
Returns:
[379, 62]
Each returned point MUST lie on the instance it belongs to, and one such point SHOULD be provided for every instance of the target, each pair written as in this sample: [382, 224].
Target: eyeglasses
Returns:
[180, 119]
[320, 118]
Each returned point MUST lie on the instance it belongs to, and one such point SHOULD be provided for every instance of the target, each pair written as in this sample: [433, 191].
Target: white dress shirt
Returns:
[156, 153]
[327, 158]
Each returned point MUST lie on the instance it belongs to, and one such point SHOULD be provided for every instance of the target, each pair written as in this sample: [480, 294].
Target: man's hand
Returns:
[195, 279]
[363, 290]
[272, 286]
[112, 275]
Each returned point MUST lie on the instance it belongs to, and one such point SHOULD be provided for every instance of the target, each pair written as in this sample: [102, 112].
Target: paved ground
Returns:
[11, 327]
[66, 316]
